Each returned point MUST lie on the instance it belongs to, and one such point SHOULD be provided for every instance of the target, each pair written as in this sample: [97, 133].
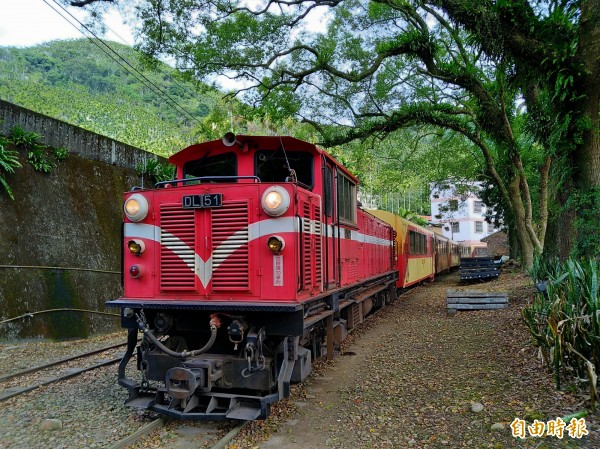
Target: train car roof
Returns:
[392, 219]
[255, 142]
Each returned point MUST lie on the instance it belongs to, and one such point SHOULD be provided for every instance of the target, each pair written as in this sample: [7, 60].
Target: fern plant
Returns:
[39, 159]
[60, 154]
[22, 138]
[156, 171]
[9, 161]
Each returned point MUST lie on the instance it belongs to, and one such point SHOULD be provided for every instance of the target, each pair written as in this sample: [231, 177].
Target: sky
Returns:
[30, 22]
[24, 23]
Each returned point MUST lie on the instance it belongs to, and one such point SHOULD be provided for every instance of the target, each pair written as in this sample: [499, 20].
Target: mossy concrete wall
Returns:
[60, 243]
[77, 140]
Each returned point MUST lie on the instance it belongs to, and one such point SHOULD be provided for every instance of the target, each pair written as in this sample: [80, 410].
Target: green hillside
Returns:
[76, 82]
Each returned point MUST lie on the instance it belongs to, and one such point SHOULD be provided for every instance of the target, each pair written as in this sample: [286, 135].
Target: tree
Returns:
[382, 65]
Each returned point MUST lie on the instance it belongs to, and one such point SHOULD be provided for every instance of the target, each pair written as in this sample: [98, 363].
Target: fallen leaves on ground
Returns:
[415, 376]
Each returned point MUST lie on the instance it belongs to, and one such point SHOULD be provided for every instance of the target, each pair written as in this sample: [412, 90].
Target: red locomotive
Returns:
[254, 261]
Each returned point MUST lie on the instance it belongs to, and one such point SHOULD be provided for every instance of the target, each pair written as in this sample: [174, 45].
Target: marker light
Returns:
[275, 201]
[136, 271]
[136, 207]
[276, 244]
[136, 247]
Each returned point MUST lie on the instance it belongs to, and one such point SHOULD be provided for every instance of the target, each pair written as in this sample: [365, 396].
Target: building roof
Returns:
[492, 234]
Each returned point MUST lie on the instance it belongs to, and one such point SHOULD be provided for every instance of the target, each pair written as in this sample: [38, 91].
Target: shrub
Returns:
[22, 138]
[156, 171]
[564, 320]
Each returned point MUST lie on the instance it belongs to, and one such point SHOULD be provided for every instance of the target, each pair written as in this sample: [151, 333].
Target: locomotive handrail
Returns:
[205, 178]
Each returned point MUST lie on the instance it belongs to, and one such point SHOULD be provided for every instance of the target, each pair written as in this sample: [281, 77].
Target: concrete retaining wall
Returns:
[60, 238]
[77, 140]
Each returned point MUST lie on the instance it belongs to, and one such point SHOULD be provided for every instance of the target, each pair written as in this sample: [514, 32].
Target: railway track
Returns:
[48, 378]
[158, 424]
[130, 431]
[72, 403]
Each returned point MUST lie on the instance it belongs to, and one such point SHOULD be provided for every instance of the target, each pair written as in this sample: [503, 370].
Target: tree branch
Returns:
[82, 3]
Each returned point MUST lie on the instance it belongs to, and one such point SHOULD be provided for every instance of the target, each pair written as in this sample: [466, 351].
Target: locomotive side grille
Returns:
[177, 258]
[311, 243]
[318, 239]
[306, 238]
[353, 269]
[230, 252]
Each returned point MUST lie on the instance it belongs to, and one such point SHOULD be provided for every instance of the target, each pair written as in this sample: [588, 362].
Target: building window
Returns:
[479, 227]
[478, 207]
[455, 227]
[453, 205]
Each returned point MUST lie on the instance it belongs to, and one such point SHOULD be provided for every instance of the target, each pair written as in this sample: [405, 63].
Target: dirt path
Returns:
[410, 378]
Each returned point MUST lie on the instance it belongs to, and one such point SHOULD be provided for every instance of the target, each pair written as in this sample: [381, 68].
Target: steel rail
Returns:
[16, 391]
[59, 362]
[138, 434]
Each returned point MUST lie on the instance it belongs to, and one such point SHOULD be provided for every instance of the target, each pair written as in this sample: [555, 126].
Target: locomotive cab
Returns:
[240, 271]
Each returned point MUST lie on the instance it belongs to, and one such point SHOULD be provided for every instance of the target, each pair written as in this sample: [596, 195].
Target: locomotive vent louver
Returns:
[178, 238]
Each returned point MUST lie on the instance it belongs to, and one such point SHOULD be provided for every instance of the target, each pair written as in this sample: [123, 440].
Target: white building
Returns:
[460, 212]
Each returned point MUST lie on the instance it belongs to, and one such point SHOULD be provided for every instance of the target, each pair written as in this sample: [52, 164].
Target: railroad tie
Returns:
[474, 300]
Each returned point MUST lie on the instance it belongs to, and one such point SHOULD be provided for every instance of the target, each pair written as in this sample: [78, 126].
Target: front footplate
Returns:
[210, 407]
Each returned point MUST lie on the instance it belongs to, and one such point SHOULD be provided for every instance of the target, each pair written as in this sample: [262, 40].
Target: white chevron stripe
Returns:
[203, 269]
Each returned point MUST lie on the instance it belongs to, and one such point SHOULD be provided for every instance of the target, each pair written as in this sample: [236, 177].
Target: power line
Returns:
[144, 80]
[173, 80]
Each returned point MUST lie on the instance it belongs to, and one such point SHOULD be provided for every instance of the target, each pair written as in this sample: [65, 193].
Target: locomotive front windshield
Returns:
[208, 166]
[272, 166]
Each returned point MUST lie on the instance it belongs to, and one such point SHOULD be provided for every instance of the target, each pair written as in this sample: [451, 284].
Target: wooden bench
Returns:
[474, 300]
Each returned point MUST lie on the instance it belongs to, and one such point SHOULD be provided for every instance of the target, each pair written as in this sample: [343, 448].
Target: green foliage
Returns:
[565, 321]
[39, 158]
[60, 154]
[76, 82]
[156, 170]
[22, 138]
[411, 216]
[587, 224]
[9, 161]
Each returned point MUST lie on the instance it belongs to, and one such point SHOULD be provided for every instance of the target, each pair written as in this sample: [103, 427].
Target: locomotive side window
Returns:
[328, 191]
[346, 199]
[219, 165]
[272, 166]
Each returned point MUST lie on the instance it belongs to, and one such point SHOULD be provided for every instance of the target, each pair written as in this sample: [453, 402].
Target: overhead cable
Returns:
[97, 41]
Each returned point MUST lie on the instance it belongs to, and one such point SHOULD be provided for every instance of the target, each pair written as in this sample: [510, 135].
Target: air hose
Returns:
[214, 325]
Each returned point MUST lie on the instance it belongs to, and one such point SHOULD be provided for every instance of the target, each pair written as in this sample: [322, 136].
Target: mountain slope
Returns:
[76, 82]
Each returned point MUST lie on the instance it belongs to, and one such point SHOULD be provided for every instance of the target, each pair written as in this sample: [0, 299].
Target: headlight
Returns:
[136, 207]
[275, 201]
[276, 244]
[136, 247]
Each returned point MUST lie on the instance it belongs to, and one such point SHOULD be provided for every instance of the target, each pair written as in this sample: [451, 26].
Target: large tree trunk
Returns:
[526, 245]
[578, 221]
[587, 169]
[561, 233]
